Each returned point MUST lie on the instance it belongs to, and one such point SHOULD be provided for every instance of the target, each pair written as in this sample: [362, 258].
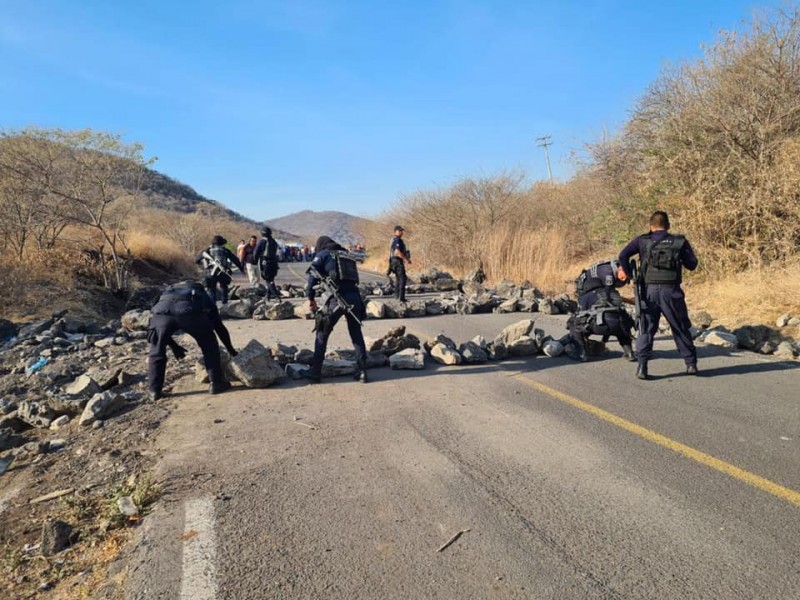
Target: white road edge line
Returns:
[199, 576]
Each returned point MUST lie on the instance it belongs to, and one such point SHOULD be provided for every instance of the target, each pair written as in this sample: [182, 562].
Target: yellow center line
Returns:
[784, 493]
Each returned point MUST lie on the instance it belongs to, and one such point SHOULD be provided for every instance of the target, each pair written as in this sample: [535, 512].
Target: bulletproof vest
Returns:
[662, 260]
[592, 277]
[219, 255]
[346, 269]
[178, 300]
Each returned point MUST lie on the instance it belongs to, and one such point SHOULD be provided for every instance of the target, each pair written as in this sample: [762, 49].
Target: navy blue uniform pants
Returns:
[161, 330]
[269, 271]
[667, 300]
[613, 326]
[353, 328]
[212, 281]
[399, 269]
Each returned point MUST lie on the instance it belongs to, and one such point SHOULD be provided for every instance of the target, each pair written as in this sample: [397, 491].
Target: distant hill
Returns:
[309, 225]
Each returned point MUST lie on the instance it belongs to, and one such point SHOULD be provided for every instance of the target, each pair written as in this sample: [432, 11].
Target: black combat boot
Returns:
[219, 387]
[154, 395]
[361, 373]
[641, 372]
[627, 354]
[691, 369]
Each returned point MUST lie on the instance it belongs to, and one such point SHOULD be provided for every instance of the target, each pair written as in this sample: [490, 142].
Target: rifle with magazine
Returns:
[218, 268]
[322, 319]
[639, 295]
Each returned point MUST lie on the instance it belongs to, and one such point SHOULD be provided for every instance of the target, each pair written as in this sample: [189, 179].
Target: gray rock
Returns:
[136, 320]
[767, 347]
[471, 353]
[56, 445]
[480, 304]
[301, 311]
[444, 355]
[337, 368]
[446, 285]
[238, 309]
[783, 321]
[723, 339]
[7, 405]
[255, 367]
[105, 342]
[546, 306]
[532, 293]
[83, 386]
[283, 353]
[701, 319]
[507, 289]
[565, 304]
[553, 348]
[513, 332]
[472, 288]
[59, 422]
[376, 359]
[394, 309]
[295, 370]
[55, 537]
[375, 309]
[8, 439]
[127, 506]
[477, 275]
[254, 294]
[794, 322]
[5, 463]
[304, 356]
[480, 341]
[36, 414]
[100, 407]
[30, 330]
[785, 350]
[497, 351]
[409, 358]
[416, 309]
[440, 339]
[508, 306]
[434, 307]
[751, 336]
[280, 311]
[523, 346]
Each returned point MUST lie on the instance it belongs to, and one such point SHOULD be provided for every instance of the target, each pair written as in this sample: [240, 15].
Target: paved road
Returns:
[573, 480]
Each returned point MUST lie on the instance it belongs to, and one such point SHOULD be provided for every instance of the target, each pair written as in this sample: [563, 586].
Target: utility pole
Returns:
[544, 142]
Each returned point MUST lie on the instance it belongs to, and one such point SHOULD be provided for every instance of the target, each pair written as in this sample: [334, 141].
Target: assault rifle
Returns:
[639, 295]
[219, 268]
[332, 289]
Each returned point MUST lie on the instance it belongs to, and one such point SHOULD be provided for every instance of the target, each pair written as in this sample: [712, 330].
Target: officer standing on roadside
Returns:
[331, 262]
[663, 257]
[217, 261]
[187, 307]
[266, 255]
[399, 256]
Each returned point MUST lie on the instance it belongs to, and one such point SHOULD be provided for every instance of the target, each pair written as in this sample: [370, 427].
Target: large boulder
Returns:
[565, 304]
[547, 307]
[441, 339]
[375, 309]
[280, 311]
[446, 285]
[136, 320]
[409, 358]
[444, 355]
[476, 275]
[523, 346]
[100, 407]
[394, 309]
[415, 309]
[553, 348]
[84, 386]
[395, 340]
[434, 307]
[752, 336]
[477, 304]
[507, 289]
[254, 366]
[496, 351]
[254, 293]
[513, 332]
[283, 353]
[786, 350]
[472, 288]
[237, 309]
[701, 319]
[723, 339]
[337, 368]
[507, 306]
[36, 414]
[471, 353]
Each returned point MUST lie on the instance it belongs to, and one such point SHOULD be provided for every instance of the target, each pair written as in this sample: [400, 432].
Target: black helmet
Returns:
[218, 240]
[266, 232]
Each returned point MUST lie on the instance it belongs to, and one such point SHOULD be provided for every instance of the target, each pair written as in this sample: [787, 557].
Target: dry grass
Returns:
[161, 251]
[755, 296]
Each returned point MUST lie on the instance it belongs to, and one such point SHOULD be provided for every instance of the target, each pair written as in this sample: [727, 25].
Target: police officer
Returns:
[329, 263]
[398, 258]
[217, 261]
[266, 255]
[663, 257]
[601, 309]
[186, 306]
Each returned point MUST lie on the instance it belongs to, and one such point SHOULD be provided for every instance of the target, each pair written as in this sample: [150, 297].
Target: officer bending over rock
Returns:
[187, 307]
[601, 309]
[663, 257]
[338, 275]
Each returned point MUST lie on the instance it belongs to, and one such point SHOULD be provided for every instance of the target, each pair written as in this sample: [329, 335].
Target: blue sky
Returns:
[275, 107]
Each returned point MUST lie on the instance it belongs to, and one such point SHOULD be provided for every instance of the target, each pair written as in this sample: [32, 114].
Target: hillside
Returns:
[309, 225]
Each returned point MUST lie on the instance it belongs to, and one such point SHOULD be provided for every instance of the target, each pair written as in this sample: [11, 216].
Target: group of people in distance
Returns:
[191, 307]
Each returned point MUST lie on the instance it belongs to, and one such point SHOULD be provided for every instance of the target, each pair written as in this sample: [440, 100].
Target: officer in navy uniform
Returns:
[601, 310]
[329, 263]
[187, 307]
[398, 258]
[266, 256]
[217, 261]
[663, 257]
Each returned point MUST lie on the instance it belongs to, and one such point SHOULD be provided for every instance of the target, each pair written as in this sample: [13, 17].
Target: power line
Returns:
[544, 142]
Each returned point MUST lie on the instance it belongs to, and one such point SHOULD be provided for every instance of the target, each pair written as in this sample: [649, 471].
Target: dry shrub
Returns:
[160, 251]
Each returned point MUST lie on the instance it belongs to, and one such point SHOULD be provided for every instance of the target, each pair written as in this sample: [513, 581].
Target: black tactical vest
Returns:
[346, 269]
[661, 261]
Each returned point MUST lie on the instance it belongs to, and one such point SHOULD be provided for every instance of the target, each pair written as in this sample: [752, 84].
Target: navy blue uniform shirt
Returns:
[636, 246]
[325, 263]
[397, 244]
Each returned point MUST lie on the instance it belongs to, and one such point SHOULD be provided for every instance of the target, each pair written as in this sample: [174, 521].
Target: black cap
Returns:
[266, 231]
[218, 240]
[399, 228]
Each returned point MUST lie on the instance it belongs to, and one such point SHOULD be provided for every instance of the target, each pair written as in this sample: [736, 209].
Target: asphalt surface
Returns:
[573, 480]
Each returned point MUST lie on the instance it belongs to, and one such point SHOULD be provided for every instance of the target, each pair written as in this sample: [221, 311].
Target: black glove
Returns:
[232, 351]
[178, 351]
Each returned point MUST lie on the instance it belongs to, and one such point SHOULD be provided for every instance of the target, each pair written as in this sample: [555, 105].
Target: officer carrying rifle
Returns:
[218, 263]
[335, 270]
